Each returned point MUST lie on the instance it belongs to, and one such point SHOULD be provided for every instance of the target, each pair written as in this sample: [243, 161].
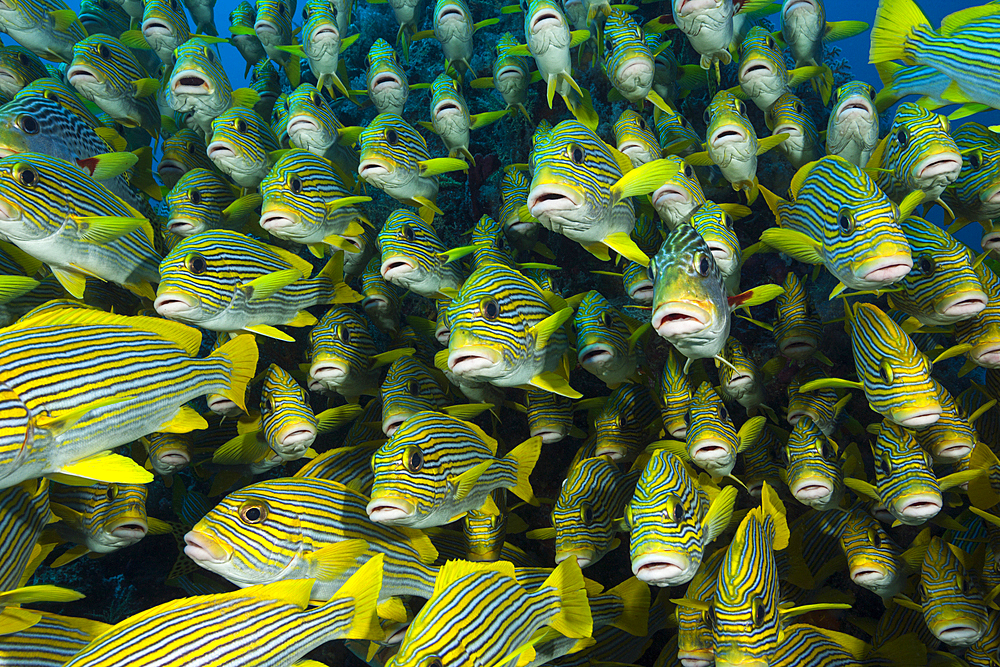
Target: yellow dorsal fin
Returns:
[771, 505]
[454, 570]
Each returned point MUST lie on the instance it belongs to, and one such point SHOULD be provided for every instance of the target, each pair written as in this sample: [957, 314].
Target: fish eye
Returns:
[489, 308]
[25, 175]
[797, 106]
[28, 124]
[112, 491]
[902, 139]
[885, 371]
[642, 124]
[688, 171]
[628, 515]
[708, 617]
[195, 196]
[771, 44]
[965, 583]
[624, 420]
[196, 264]
[587, 514]
[253, 511]
[786, 455]
[241, 126]
[701, 264]
[281, 9]
[723, 413]
[757, 613]
[606, 319]
[874, 538]
[316, 99]
[391, 137]
[344, 334]
[266, 404]
[706, 116]
[413, 459]
[729, 222]
[23, 59]
[435, 662]
[742, 108]
[826, 450]
[295, 185]
[413, 387]
[192, 148]
[926, 265]
[103, 51]
[576, 154]
[845, 221]
[209, 54]
[974, 160]
[884, 466]
[407, 233]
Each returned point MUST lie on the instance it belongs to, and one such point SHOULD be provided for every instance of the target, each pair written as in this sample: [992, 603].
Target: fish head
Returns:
[197, 72]
[817, 405]
[274, 21]
[244, 15]
[679, 195]
[711, 437]
[761, 463]
[18, 68]
[103, 16]
[545, 23]
[514, 189]
[719, 231]
[239, 136]
[321, 31]
[384, 76]
[637, 283]
[673, 127]
[310, 122]
[729, 133]
[814, 473]
[582, 515]
[169, 453]
[484, 532]
[796, 329]
[904, 477]
[873, 559]
[788, 115]
[389, 146]
[953, 606]
[410, 247]
[920, 149]
[601, 333]
[32, 123]
[742, 375]
[762, 73]
[296, 194]
[340, 347]
[451, 17]
[448, 106]
[98, 62]
[550, 416]
[115, 516]
[183, 151]
[621, 426]
[627, 60]
[510, 72]
[408, 388]
[675, 389]
[196, 201]
[854, 112]
[164, 24]
[635, 138]
[286, 418]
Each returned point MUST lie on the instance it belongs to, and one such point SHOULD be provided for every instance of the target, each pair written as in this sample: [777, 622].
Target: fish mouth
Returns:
[522, 226]
[798, 5]
[299, 436]
[80, 75]
[642, 292]
[740, 381]
[991, 241]
[471, 358]
[669, 193]
[795, 415]
[132, 530]
[720, 252]
[190, 82]
[959, 634]
[884, 270]
[547, 199]
[172, 304]
[944, 164]
[450, 13]
[727, 134]
[385, 80]
[546, 18]
[220, 150]
[798, 347]
[662, 569]
[709, 450]
[175, 459]
[180, 227]
[788, 128]
[203, 549]
[755, 487]
[390, 425]
[442, 335]
[171, 167]
[298, 124]
[687, 7]
[509, 72]
[583, 558]
[328, 371]
[756, 69]
[264, 26]
[447, 108]
[678, 429]
[868, 575]
[963, 306]
[812, 490]
[371, 168]
[986, 354]
[679, 318]
[547, 434]
[153, 27]
[695, 662]
[855, 106]
[374, 303]
[613, 452]
[628, 147]
[389, 510]
[276, 220]
[396, 268]
[953, 452]
[595, 354]
[221, 405]
[921, 507]
[917, 418]
[990, 195]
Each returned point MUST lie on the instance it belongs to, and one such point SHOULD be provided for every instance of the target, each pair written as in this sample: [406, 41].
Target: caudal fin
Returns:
[635, 606]
[894, 21]
[574, 619]
[242, 353]
[333, 277]
[363, 587]
[524, 457]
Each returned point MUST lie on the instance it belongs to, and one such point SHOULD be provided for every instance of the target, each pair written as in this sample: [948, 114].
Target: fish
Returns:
[608, 342]
[475, 591]
[674, 129]
[266, 82]
[103, 17]
[323, 39]
[549, 416]
[409, 387]
[48, 28]
[680, 194]
[414, 258]
[671, 80]
[183, 151]
[395, 159]
[202, 200]
[382, 300]
[203, 14]
[243, 18]
[312, 126]
[305, 200]
[982, 332]
[454, 29]
[625, 423]
[242, 146]
[387, 84]
[343, 356]
[628, 62]
[971, 195]
[852, 131]
[634, 138]
[511, 76]
[761, 462]
[671, 519]
[742, 385]
[226, 281]
[732, 144]
[163, 27]
[694, 634]
[52, 640]
[521, 231]
[675, 396]
[62, 444]
[407, 13]
[508, 332]
[717, 227]
[874, 560]
[764, 77]
[349, 465]
[436, 468]
[169, 453]
[804, 30]
[450, 118]
[204, 621]
[690, 307]
[901, 32]
[796, 328]
[581, 188]
[918, 154]
[273, 28]
[839, 217]
[18, 67]
[952, 437]
[814, 469]
[787, 115]
[823, 406]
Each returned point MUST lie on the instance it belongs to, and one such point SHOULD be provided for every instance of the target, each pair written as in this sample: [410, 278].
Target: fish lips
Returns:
[664, 568]
[170, 461]
[679, 318]
[328, 371]
[397, 267]
[173, 305]
[82, 77]
[205, 550]
[812, 491]
[584, 557]
[940, 169]
[596, 356]
[389, 510]
[295, 439]
[156, 28]
[190, 82]
[545, 19]
[373, 170]
[869, 575]
[918, 418]
[914, 510]
[548, 434]
[957, 633]
[553, 201]
[962, 306]
[883, 270]
[986, 354]
[276, 218]
[471, 359]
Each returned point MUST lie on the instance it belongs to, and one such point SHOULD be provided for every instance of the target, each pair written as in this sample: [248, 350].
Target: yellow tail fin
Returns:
[364, 587]
[524, 457]
[574, 619]
[241, 352]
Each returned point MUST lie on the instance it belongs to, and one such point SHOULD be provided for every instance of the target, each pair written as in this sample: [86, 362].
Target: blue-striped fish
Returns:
[49, 28]
[454, 29]
[103, 17]
[637, 283]
[763, 76]
[18, 67]
[732, 145]
[507, 331]
[296, 528]
[226, 281]
[343, 356]
[675, 395]
[805, 30]
[740, 379]
[788, 115]
[312, 126]
[59, 215]
[549, 416]
[203, 200]
[470, 596]
[350, 465]
[50, 642]
[106, 72]
[450, 117]
[942, 287]
[305, 200]
[436, 467]
[975, 194]
[323, 39]
[690, 307]
[762, 462]
[983, 331]
[243, 18]
[394, 158]
[628, 62]
[671, 519]
[198, 84]
[852, 130]
[273, 28]
[874, 561]
[822, 406]
[607, 340]
[510, 76]
[796, 327]
[627, 421]
[163, 26]
[694, 634]
[716, 226]
[917, 154]
[382, 300]
[814, 468]
[182, 151]
[169, 453]
[981, 653]
[266, 82]
[581, 190]
[674, 129]
[414, 258]
[962, 49]
[409, 387]
[388, 87]
[140, 389]
[635, 138]
[24, 513]
[680, 193]
[952, 437]
[839, 218]
[521, 230]
[275, 618]
[242, 146]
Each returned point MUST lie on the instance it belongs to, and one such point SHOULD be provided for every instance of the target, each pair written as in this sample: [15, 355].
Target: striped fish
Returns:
[814, 468]
[139, 389]
[627, 61]
[350, 465]
[58, 90]
[635, 138]
[917, 154]
[415, 259]
[49, 28]
[103, 17]
[822, 406]
[712, 442]
[169, 453]
[675, 395]
[549, 416]
[961, 50]
[266, 82]
[694, 633]
[273, 28]
[306, 200]
[19, 67]
[243, 17]
[761, 462]
[242, 146]
[490, 244]
[511, 76]
[674, 129]
[607, 341]
[804, 29]
[839, 218]
[952, 437]
[983, 331]
[490, 595]
[24, 513]
[226, 281]
[981, 653]
[203, 200]
[454, 29]
[296, 528]
[852, 131]
[273, 620]
[183, 151]
[163, 27]
[521, 231]
[198, 84]
[627, 421]
[580, 189]
[394, 158]
[586, 514]
[382, 300]
[324, 37]
[732, 145]
[740, 379]
[763, 76]
[312, 126]
[873, 559]
[975, 194]
[788, 115]
[387, 84]
[672, 519]
[450, 118]
[106, 72]
[343, 355]
[51, 642]
[436, 467]
[506, 331]
[75, 225]
[716, 226]
[409, 387]
[279, 120]
[796, 327]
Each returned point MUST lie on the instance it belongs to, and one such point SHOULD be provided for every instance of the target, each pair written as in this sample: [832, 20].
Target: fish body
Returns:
[975, 194]
[436, 468]
[382, 300]
[323, 38]
[952, 605]
[627, 422]
[815, 475]
[604, 340]
[852, 131]
[521, 231]
[414, 258]
[242, 146]
[183, 151]
[804, 29]
[796, 327]
[635, 138]
[675, 392]
[628, 62]
[763, 75]
[44, 27]
[741, 380]
[822, 406]
[716, 226]
[709, 29]
[198, 84]
[919, 154]
[101, 518]
[203, 200]
[549, 38]
[511, 75]
[787, 115]
[873, 559]
[453, 28]
[312, 126]
[387, 84]
[273, 28]
[18, 67]
[225, 281]
[246, 42]
[25, 512]
[982, 332]
[679, 195]
[164, 27]
[904, 478]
